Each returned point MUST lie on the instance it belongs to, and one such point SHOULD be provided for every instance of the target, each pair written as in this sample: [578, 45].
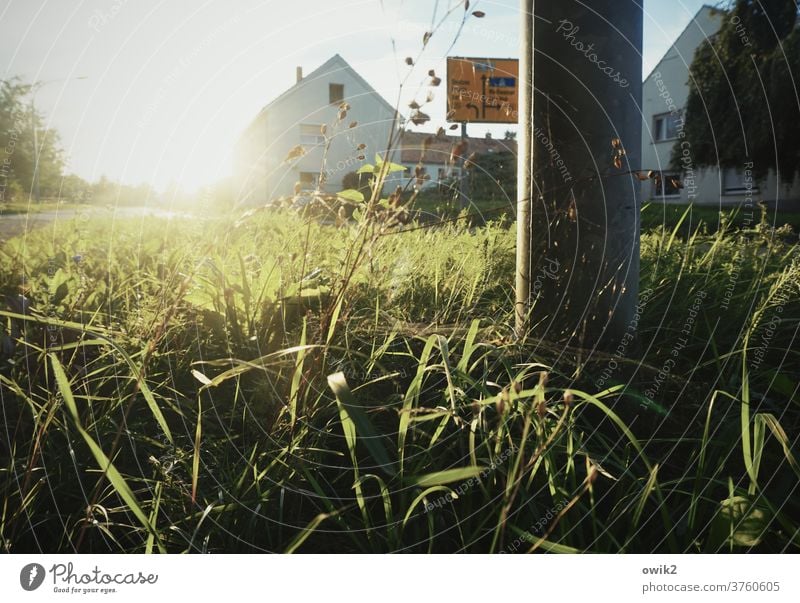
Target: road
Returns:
[16, 224]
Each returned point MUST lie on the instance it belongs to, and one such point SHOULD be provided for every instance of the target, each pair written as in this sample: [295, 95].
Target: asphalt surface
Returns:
[12, 225]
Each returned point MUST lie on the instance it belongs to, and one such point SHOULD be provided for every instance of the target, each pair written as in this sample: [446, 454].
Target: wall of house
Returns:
[666, 91]
[295, 117]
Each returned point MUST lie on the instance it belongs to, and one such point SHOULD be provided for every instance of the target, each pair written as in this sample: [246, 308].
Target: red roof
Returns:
[439, 148]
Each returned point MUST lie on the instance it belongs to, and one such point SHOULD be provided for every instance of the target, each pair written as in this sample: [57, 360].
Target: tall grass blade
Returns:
[117, 481]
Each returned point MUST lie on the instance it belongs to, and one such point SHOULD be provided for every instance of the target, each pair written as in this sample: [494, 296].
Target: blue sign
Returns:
[502, 82]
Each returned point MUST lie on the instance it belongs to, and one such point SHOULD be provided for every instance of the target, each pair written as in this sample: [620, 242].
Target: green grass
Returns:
[286, 386]
[743, 217]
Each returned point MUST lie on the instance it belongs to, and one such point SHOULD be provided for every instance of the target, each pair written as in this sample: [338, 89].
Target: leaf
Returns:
[448, 476]
[201, 377]
[422, 495]
[479, 14]
[396, 167]
[198, 434]
[392, 167]
[367, 168]
[426, 36]
[738, 522]
[354, 418]
[297, 377]
[243, 366]
[458, 150]
[777, 430]
[469, 162]
[412, 397]
[334, 320]
[307, 531]
[296, 152]
[114, 476]
[550, 547]
[351, 195]
[419, 118]
[469, 346]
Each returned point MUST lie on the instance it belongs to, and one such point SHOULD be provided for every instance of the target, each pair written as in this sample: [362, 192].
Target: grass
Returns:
[276, 385]
[741, 216]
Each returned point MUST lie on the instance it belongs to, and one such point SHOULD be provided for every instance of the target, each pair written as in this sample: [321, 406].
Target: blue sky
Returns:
[171, 83]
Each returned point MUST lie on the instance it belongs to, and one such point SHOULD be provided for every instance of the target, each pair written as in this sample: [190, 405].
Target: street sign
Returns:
[482, 90]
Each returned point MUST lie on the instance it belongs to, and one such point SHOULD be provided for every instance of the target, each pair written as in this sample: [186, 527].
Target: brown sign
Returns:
[482, 90]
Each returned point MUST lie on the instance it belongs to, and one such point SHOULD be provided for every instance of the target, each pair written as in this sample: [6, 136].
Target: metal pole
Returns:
[524, 170]
[463, 189]
[587, 131]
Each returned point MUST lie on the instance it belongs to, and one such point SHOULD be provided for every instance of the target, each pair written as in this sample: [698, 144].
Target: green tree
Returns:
[743, 101]
[17, 123]
[494, 177]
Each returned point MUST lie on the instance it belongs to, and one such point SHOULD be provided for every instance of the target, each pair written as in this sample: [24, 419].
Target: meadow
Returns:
[270, 383]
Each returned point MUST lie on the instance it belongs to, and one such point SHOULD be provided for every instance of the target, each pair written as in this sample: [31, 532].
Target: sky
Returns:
[158, 91]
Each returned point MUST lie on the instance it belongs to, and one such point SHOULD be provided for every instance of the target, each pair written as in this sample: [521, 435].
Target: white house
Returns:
[665, 93]
[296, 118]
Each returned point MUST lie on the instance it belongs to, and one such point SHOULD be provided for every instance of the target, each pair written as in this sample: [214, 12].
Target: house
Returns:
[665, 93]
[433, 152]
[307, 116]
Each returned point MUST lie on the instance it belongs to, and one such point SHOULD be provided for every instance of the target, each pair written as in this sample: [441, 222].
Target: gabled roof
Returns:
[332, 65]
[704, 8]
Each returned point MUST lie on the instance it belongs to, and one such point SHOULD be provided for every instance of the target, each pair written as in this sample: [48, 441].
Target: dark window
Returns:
[336, 92]
[308, 180]
[737, 182]
[667, 185]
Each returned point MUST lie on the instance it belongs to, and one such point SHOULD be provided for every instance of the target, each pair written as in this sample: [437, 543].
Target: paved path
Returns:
[15, 224]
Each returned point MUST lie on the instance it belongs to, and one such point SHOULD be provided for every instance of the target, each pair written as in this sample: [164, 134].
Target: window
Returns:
[668, 185]
[308, 181]
[736, 182]
[666, 126]
[336, 93]
[311, 134]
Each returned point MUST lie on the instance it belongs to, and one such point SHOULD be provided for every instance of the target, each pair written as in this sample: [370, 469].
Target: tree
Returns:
[585, 138]
[743, 92]
[17, 123]
[493, 177]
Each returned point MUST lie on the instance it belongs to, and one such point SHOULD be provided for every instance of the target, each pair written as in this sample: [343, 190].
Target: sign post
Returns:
[524, 173]
[480, 90]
